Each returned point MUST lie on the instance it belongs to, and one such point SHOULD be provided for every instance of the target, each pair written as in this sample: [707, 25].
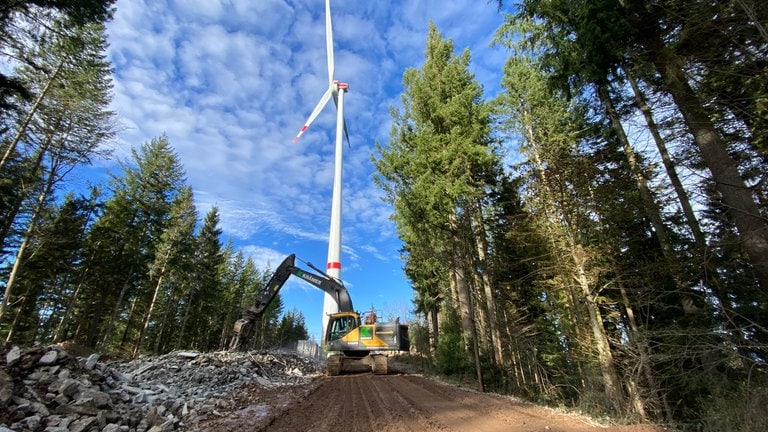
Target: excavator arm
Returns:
[242, 329]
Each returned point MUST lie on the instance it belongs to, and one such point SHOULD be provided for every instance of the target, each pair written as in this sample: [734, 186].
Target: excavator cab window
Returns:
[340, 326]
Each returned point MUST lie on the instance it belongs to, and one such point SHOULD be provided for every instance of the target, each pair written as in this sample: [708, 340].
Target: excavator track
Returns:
[379, 365]
[333, 365]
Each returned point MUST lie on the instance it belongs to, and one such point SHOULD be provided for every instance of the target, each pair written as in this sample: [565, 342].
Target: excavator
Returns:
[351, 342]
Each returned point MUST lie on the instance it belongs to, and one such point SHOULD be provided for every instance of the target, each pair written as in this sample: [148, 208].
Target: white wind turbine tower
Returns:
[337, 90]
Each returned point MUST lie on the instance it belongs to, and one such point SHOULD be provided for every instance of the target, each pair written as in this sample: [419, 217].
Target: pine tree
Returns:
[436, 167]
[207, 301]
[15, 17]
[123, 244]
[62, 129]
[172, 263]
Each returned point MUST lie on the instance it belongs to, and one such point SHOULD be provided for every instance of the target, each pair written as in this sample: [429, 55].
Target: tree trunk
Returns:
[128, 320]
[490, 301]
[649, 203]
[465, 304]
[710, 272]
[148, 316]
[434, 330]
[183, 327]
[25, 242]
[10, 216]
[59, 332]
[70, 303]
[669, 165]
[22, 302]
[753, 18]
[605, 356]
[753, 233]
[28, 118]
[115, 311]
[660, 409]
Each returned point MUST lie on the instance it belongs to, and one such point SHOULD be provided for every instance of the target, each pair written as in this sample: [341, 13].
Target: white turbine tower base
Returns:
[337, 90]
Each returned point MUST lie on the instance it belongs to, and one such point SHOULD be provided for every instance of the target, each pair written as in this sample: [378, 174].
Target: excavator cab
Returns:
[340, 324]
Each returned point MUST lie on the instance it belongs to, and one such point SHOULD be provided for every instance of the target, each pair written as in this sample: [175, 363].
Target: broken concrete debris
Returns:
[48, 389]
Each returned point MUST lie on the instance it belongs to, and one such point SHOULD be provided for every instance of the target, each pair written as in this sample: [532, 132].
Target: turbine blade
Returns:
[329, 40]
[346, 134]
[315, 112]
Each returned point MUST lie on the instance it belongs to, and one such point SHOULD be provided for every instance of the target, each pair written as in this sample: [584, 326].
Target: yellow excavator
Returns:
[350, 341]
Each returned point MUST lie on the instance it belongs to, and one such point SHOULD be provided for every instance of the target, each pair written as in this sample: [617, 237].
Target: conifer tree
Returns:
[63, 128]
[438, 163]
[123, 244]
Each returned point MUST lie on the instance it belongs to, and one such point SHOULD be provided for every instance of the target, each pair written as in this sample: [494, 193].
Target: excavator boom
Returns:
[242, 329]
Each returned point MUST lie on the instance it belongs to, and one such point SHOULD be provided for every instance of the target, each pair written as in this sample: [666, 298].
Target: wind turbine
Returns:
[337, 90]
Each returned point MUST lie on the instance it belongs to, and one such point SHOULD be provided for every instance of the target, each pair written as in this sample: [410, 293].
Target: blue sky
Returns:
[230, 82]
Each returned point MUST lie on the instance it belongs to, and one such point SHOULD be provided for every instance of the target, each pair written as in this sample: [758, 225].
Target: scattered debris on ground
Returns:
[48, 389]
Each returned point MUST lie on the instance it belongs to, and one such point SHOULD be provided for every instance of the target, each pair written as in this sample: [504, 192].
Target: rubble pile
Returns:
[48, 389]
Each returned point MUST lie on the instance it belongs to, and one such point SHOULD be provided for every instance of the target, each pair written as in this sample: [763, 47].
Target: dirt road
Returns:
[366, 402]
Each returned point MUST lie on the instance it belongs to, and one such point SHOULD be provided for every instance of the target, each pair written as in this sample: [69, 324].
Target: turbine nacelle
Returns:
[339, 86]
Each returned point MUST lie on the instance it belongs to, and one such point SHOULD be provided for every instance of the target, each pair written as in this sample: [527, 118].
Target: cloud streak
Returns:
[231, 82]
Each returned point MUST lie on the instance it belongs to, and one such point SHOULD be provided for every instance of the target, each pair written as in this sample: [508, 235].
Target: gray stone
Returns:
[92, 397]
[64, 374]
[61, 399]
[49, 358]
[32, 422]
[131, 389]
[91, 362]
[82, 424]
[76, 409]
[126, 396]
[138, 398]
[13, 356]
[6, 388]
[69, 387]
[164, 427]
[40, 409]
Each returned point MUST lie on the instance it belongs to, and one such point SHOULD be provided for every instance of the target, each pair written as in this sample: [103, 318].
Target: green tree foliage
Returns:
[203, 279]
[138, 271]
[435, 170]
[61, 129]
[620, 288]
[46, 278]
[15, 17]
[292, 328]
[123, 244]
[171, 269]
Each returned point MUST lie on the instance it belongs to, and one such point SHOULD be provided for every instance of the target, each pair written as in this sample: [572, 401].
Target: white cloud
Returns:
[232, 81]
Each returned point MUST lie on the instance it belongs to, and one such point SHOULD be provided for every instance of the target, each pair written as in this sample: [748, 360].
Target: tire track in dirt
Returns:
[396, 403]
[393, 403]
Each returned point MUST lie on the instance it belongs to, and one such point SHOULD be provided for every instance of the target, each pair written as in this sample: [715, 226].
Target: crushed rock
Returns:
[48, 389]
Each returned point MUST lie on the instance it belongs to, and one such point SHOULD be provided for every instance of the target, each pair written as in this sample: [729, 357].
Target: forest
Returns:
[594, 236]
[123, 268]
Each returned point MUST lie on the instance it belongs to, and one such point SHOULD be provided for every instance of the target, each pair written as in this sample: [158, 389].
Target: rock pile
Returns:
[48, 389]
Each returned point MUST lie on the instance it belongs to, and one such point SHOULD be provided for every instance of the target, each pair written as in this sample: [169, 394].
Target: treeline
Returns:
[596, 235]
[127, 267]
